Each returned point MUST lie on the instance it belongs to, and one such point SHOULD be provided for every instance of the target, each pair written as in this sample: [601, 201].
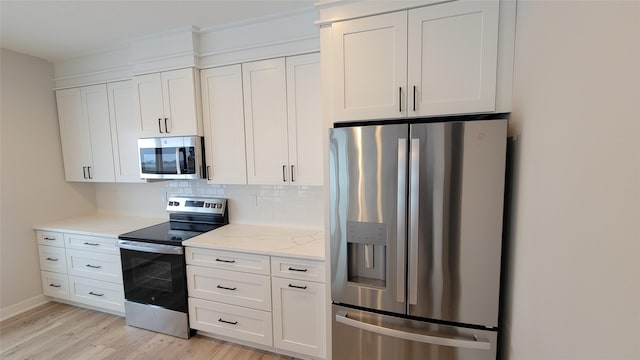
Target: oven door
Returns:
[154, 274]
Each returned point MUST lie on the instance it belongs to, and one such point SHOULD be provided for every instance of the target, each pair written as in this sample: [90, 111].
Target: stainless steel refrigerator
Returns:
[416, 214]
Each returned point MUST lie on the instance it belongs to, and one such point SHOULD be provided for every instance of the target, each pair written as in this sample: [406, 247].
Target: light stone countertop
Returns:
[263, 239]
[100, 225]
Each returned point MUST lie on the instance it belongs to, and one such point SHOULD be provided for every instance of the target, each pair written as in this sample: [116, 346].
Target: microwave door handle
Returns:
[179, 155]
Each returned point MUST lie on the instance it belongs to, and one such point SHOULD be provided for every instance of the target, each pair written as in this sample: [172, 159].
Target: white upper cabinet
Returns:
[282, 120]
[223, 119]
[304, 118]
[453, 51]
[265, 110]
[124, 130]
[166, 104]
[85, 132]
[434, 60]
[370, 67]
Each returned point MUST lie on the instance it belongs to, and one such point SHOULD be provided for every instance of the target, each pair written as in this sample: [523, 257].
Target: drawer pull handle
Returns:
[52, 259]
[94, 266]
[91, 244]
[55, 285]
[228, 322]
[300, 270]
[225, 288]
[50, 239]
[225, 261]
[95, 294]
[297, 287]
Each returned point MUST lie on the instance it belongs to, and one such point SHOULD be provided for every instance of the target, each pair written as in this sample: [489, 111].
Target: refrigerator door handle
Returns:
[401, 231]
[341, 317]
[414, 183]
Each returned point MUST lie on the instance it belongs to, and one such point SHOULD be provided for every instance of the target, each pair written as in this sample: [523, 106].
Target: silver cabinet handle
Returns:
[93, 266]
[52, 259]
[292, 178]
[166, 127]
[401, 231]
[160, 125]
[55, 285]
[414, 203]
[226, 288]
[298, 287]
[342, 318]
[95, 294]
[284, 173]
[91, 244]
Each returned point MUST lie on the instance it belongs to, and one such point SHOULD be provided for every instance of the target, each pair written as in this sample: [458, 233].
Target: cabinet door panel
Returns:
[453, 58]
[148, 107]
[74, 133]
[264, 87]
[223, 112]
[180, 107]
[124, 131]
[299, 316]
[96, 107]
[304, 119]
[370, 65]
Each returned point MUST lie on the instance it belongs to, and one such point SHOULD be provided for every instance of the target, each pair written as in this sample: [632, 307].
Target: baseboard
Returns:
[19, 308]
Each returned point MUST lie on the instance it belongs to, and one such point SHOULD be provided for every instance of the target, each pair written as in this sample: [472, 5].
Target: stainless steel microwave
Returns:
[179, 157]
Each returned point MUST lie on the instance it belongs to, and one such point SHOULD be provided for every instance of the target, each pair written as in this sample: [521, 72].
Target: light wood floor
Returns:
[59, 331]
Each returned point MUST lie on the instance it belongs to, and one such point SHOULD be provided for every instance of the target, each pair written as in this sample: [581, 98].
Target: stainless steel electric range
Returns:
[153, 264]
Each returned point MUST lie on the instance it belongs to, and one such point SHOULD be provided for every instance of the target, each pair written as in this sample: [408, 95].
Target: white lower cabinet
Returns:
[271, 301]
[81, 268]
[231, 321]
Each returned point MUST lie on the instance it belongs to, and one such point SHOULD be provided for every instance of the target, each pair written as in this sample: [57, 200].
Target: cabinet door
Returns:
[304, 117]
[223, 118]
[124, 130]
[299, 316]
[453, 58]
[148, 105]
[370, 67]
[96, 106]
[265, 96]
[180, 106]
[74, 134]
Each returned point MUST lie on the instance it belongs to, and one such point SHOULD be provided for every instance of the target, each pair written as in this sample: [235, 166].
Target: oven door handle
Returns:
[150, 247]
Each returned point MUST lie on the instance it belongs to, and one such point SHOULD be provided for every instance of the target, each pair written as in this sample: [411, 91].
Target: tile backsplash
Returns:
[248, 204]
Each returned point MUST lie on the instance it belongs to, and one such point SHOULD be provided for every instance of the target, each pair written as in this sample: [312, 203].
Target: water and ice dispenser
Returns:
[366, 253]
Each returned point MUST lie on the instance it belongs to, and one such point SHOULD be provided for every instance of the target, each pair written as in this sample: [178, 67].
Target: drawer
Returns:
[52, 259]
[50, 238]
[96, 293]
[232, 321]
[93, 265]
[55, 285]
[91, 243]
[230, 287]
[298, 269]
[228, 260]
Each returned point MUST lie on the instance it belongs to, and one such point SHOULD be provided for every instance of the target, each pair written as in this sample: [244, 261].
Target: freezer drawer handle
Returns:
[342, 318]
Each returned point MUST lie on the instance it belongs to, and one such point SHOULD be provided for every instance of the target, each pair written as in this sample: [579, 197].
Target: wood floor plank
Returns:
[60, 331]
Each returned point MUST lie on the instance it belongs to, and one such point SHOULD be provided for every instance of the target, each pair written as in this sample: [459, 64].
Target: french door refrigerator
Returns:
[416, 215]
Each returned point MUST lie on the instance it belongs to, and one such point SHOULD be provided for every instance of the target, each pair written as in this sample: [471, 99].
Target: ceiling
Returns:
[56, 29]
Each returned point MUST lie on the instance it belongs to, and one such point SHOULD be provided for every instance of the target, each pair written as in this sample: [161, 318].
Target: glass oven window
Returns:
[153, 275]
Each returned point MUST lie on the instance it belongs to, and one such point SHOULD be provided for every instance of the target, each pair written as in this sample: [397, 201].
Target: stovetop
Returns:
[194, 216]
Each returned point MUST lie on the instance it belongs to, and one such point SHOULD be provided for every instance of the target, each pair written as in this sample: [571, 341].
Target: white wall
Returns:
[33, 189]
[298, 206]
[575, 285]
